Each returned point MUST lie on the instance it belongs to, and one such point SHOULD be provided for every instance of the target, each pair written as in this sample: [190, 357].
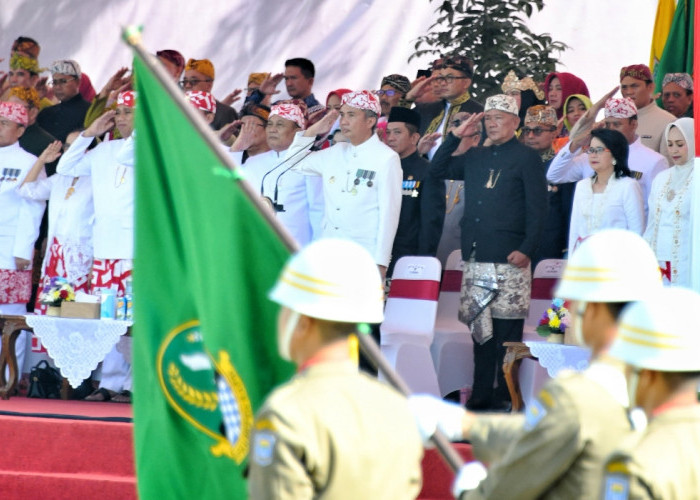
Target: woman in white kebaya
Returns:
[69, 243]
[609, 199]
[669, 230]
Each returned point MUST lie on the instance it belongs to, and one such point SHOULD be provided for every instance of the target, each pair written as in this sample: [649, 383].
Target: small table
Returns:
[553, 357]
[76, 345]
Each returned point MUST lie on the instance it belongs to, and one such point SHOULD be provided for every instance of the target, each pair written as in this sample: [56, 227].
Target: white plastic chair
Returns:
[544, 279]
[409, 320]
[453, 346]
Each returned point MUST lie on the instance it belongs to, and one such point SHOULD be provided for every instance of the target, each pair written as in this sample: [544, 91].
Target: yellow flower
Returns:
[555, 322]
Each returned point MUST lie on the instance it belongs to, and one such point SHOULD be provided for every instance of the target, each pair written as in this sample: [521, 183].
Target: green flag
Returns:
[677, 56]
[205, 258]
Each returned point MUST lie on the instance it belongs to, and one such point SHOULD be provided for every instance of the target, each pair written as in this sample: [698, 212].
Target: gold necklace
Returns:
[71, 189]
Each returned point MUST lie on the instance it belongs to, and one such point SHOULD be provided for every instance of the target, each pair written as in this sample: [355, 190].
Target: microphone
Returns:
[277, 206]
[273, 202]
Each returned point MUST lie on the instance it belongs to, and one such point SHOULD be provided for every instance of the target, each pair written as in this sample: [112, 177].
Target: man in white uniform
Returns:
[19, 219]
[361, 179]
[111, 165]
[571, 165]
[296, 199]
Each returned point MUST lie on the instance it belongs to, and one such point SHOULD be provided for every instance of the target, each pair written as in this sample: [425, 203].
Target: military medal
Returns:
[4, 174]
[371, 176]
[414, 193]
[14, 172]
[331, 180]
[670, 195]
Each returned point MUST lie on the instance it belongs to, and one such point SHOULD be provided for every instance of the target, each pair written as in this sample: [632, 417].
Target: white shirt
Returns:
[572, 167]
[619, 206]
[19, 218]
[70, 219]
[361, 190]
[441, 129]
[111, 167]
[301, 196]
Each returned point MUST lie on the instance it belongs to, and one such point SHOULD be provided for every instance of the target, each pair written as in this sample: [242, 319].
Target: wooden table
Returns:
[11, 327]
[515, 353]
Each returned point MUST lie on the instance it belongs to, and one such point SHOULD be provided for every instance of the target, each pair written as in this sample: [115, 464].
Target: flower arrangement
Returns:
[56, 291]
[556, 319]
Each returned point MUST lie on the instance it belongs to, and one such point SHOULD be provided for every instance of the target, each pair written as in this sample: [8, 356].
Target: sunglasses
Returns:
[537, 131]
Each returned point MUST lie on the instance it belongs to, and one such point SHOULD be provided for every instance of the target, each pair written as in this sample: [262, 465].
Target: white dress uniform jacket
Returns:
[111, 167]
[19, 218]
[572, 167]
[301, 196]
[361, 190]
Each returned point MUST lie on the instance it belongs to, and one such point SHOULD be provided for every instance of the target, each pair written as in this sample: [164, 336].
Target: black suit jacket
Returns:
[509, 216]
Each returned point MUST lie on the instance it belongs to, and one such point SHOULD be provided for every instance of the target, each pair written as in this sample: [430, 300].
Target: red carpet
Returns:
[437, 476]
[75, 449]
[75, 456]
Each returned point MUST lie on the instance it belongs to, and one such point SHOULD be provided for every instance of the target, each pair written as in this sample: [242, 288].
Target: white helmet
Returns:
[332, 279]
[659, 333]
[613, 265]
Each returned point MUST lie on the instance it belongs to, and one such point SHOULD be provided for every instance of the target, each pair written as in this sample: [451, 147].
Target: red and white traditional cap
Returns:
[14, 112]
[362, 99]
[620, 107]
[127, 98]
[202, 100]
[290, 112]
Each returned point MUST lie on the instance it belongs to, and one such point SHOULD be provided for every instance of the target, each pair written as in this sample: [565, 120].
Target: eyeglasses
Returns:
[597, 151]
[448, 78]
[62, 81]
[537, 131]
[388, 92]
[194, 81]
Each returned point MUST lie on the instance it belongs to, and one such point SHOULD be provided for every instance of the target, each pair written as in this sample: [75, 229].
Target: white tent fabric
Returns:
[352, 43]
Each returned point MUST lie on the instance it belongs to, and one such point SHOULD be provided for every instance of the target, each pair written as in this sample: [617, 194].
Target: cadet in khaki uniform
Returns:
[557, 449]
[661, 349]
[332, 431]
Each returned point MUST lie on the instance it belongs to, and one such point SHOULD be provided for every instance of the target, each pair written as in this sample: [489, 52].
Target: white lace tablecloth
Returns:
[557, 357]
[77, 345]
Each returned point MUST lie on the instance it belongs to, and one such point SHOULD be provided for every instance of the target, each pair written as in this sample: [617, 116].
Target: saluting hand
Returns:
[469, 126]
[419, 87]
[323, 126]
[428, 142]
[102, 124]
[51, 152]
[269, 85]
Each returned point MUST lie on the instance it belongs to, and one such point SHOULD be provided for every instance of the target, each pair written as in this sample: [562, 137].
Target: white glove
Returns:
[431, 412]
[468, 478]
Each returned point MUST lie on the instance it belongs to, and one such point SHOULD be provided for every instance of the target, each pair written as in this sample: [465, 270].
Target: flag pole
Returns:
[132, 37]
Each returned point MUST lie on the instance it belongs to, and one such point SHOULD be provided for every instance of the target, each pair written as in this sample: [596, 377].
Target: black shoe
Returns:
[478, 404]
[502, 406]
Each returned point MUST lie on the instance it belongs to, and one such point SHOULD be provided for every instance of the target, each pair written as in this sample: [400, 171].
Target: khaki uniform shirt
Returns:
[335, 433]
[557, 449]
[662, 463]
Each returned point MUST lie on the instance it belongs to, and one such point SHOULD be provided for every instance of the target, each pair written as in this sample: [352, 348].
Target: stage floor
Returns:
[67, 409]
